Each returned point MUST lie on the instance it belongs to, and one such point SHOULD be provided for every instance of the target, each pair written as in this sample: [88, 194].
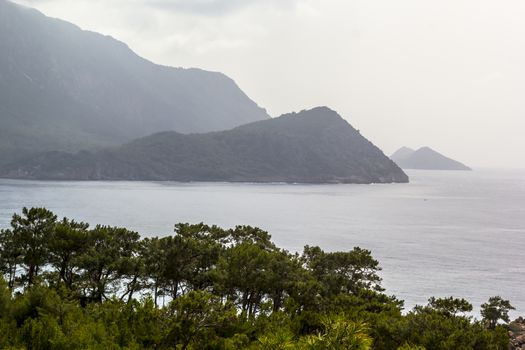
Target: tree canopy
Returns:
[65, 285]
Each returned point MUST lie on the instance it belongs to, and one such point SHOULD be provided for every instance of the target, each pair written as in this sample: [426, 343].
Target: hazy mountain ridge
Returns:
[62, 88]
[402, 153]
[425, 158]
[315, 146]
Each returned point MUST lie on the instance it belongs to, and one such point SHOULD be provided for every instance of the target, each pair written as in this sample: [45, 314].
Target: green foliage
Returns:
[450, 306]
[434, 330]
[109, 258]
[10, 256]
[66, 286]
[199, 318]
[31, 232]
[343, 272]
[494, 310]
[340, 333]
[280, 339]
[410, 347]
[67, 244]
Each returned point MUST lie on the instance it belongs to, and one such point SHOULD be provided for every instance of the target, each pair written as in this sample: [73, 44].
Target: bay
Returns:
[445, 233]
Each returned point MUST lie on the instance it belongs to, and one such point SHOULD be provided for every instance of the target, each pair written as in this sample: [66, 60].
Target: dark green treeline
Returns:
[68, 286]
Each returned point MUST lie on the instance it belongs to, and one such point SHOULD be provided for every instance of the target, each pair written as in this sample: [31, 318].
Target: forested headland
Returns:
[65, 285]
[312, 146]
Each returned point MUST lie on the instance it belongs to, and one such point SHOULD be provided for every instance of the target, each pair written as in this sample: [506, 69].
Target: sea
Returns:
[445, 233]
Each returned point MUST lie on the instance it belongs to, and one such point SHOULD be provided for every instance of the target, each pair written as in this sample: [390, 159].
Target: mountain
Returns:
[62, 88]
[425, 158]
[402, 153]
[315, 146]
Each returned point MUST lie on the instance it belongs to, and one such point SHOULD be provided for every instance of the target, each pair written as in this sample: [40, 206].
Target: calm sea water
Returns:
[445, 233]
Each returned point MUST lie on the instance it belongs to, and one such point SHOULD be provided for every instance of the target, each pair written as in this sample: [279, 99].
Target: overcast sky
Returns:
[449, 74]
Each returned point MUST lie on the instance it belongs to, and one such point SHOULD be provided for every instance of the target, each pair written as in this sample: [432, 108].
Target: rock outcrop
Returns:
[517, 334]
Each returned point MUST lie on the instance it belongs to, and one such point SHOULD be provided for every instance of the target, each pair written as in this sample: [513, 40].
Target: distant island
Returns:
[425, 158]
[314, 146]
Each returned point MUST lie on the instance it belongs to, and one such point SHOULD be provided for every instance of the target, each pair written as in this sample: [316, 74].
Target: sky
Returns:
[449, 74]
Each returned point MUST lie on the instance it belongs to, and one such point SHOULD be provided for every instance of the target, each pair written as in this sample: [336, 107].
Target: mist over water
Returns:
[445, 233]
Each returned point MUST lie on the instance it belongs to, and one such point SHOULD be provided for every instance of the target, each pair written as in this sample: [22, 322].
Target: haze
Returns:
[448, 74]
